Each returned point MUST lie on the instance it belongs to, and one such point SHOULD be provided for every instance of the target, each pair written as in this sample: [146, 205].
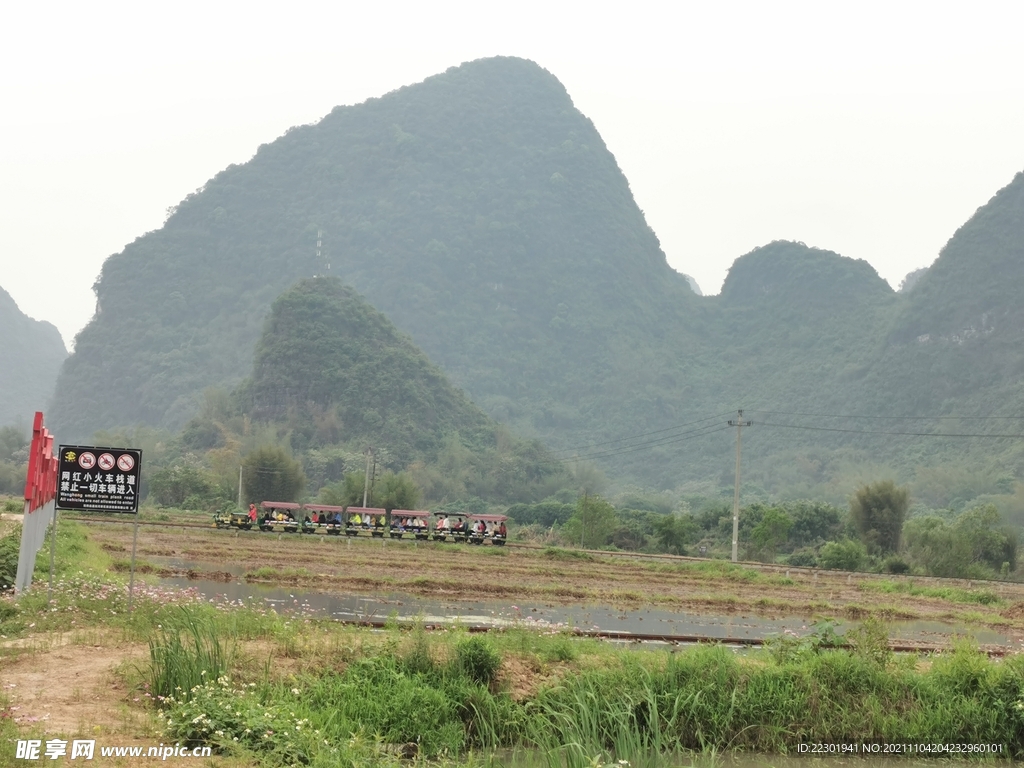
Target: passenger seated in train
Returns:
[355, 519]
[502, 531]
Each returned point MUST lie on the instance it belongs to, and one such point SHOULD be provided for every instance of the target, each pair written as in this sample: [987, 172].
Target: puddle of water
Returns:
[493, 613]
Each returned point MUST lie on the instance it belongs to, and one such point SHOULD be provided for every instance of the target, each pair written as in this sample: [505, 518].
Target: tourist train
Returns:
[289, 517]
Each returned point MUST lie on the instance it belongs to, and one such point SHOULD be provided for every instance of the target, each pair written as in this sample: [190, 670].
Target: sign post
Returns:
[91, 479]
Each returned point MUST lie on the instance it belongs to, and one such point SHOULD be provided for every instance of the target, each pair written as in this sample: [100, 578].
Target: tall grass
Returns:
[447, 696]
[951, 594]
[185, 654]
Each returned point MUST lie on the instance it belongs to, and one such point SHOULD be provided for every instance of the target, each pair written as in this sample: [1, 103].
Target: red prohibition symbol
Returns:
[106, 462]
[125, 462]
[86, 460]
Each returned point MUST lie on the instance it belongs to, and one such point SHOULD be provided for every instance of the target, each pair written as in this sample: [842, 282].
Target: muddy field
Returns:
[454, 572]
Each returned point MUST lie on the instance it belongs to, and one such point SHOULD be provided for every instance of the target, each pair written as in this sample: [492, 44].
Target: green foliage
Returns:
[591, 524]
[878, 510]
[974, 545]
[847, 555]
[184, 484]
[187, 653]
[476, 658]
[870, 641]
[396, 491]
[270, 474]
[10, 547]
[675, 533]
[545, 513]
[348, 493]
[771, 532]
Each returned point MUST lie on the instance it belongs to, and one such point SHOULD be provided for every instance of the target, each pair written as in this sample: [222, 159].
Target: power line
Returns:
[880, 432]
[903, 418]
[700, 432]
[642, 434]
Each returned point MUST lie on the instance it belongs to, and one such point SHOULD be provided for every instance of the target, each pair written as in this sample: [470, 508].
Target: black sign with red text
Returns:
[91, 479]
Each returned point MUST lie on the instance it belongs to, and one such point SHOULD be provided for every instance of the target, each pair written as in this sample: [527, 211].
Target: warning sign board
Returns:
[93, 479]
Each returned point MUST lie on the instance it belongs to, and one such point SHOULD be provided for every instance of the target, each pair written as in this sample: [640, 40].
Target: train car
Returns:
[279, 515]
[494, 529]
[238, 520]
[410, 521]
[334, 524]
[360, 519]
[450, 524]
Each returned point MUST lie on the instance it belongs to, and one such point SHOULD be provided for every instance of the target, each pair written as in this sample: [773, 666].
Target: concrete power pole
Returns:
[366, 482]
[739, 423]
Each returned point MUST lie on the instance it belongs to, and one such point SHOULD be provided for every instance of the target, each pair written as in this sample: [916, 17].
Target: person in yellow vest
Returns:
[356, 520]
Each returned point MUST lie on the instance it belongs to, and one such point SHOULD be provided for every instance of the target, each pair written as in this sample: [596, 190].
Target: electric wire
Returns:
[886, 432]
[904, 418]
[588, 446]
[710, 429]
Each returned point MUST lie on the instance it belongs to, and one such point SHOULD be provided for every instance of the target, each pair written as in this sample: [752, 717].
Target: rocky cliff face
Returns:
[31, 353]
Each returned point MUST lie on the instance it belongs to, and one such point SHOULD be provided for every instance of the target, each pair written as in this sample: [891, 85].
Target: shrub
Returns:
[10, 545]
[895, 565]
[478, 660]
[845, 555]
[806, 558]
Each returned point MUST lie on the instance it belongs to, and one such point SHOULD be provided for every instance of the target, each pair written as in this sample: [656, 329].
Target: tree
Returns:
[771, 532]
[271, 474]
[675, 532]
[877, 511]
[183, 484]
[987, 540]
[396, 491]
[592, 524]
[347, 493]
[933, 545]
[973, 546]
[814, 522]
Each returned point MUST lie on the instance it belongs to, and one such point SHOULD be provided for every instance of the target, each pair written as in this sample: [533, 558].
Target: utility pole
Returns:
[583, 516]
[739, 423]
[366, 482]
[239, 485]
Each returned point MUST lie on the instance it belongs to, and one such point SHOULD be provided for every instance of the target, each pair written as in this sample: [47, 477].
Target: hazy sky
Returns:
[871, 129]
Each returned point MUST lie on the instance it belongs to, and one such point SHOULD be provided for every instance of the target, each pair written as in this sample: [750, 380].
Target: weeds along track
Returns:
[522, 573]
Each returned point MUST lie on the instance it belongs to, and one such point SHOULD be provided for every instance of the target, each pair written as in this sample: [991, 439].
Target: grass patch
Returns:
[950, 594]
[269, 573]
[558, 553]
[185, 654]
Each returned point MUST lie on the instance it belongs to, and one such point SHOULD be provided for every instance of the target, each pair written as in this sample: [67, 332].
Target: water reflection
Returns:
[497, 613]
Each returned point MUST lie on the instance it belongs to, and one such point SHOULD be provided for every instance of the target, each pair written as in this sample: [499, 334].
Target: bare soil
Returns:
[67, 687]
[453, 572]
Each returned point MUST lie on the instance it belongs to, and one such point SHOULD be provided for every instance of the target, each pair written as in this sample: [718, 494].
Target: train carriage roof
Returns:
[410, 513]
[279, 505]
[490, 518]
[366, 511]
[323, 508]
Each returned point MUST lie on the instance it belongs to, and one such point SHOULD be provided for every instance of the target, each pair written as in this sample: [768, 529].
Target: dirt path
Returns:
[70, 688]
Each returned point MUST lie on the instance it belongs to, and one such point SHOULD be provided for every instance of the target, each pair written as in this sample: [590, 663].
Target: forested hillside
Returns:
[332, 377]
[31, 353]
[483, 215]
[479, 210]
